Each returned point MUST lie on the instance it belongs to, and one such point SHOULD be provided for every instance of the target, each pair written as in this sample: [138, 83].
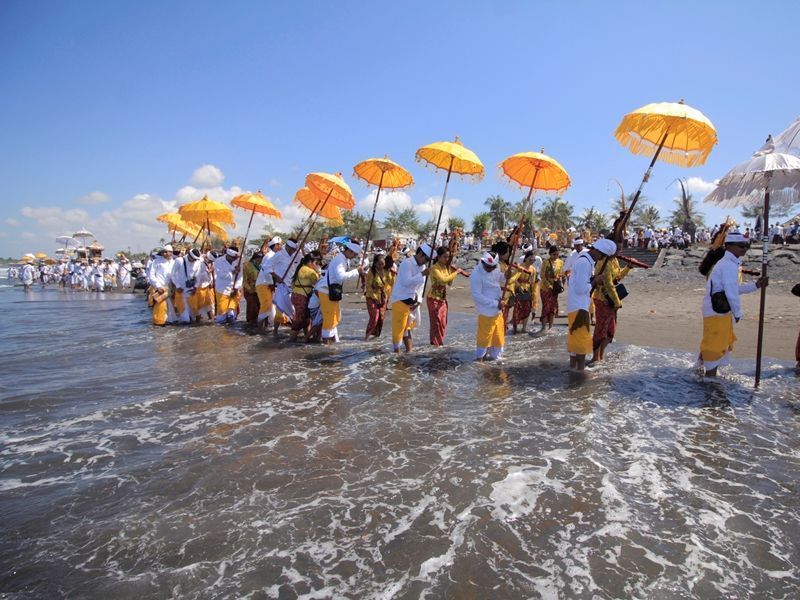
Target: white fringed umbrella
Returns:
[775, 175]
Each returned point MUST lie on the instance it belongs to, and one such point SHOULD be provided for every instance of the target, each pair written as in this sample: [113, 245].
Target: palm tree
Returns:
[646, 215]
[481, 223]
[456, 223]
[624, 202]
[593, 220]
[499, 211]
[686, 214]
[556, 214]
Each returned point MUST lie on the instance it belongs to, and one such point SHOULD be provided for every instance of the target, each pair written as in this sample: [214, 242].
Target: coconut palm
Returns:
[593, 220]
[556, 214]
[481, 223]
[456, 223]
[499, 210]
[646, 215]
[686, 214]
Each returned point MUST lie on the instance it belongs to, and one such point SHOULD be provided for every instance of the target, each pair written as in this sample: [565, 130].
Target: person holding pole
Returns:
[721, 304]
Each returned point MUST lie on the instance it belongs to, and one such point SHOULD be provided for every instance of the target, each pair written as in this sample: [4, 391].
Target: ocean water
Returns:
[208, 462]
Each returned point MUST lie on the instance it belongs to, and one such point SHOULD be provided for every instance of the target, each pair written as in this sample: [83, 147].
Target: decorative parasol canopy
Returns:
[257, 203]
[204, 210]
[744, 185]
[452, 157]
[332, 187]
[40, 255]
[82, 233]
[96, 246]
[309, 200]
[537, 171]
[788, 141]
[686, 134]
[170, 218]
[67, 241]
[384, 173]
[50, 261]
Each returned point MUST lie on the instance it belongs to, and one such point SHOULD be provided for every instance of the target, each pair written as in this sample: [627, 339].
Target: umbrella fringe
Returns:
[643, 147]
[428, 165]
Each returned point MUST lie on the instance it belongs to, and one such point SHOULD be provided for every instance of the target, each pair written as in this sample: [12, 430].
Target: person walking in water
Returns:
[486, 285]
[722, 306]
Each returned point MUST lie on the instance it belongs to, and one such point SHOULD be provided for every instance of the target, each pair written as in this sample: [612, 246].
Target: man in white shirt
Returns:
[265, 285]
[407, 295]
[718, 336]
[281, 268]
[329, 290]
[227, 285]
[577, 248]
[579, 299]
[27, 275]
[185, 270]
[160, 276]
[486, 286]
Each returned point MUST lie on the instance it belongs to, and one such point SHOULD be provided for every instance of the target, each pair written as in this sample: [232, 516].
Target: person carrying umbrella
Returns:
[721, 304]
[250, 273]
[486, 286]
[330, 291]
[227, 283]
[579, 335]
[406, 294]
[606, 302]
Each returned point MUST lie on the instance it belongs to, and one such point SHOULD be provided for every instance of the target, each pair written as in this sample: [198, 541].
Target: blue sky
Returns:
[114, 111]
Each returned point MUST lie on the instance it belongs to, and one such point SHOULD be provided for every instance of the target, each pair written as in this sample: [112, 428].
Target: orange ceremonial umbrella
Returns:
[255, 203]
[384, 173]
[307, 199]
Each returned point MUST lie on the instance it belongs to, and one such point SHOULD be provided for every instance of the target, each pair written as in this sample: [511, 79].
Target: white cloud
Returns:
[430, 208]
[389, 200]
[12, 222]
[207, 176]
[96, 197]
[53, 218]
[699, 187]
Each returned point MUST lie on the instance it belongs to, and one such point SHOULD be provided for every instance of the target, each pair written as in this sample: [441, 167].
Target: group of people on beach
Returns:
[88, 274]
[284, 285]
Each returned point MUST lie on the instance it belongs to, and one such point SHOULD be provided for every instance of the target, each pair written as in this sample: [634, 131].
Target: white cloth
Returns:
[579, 291]
[725, 278]
[569, 262]
[27, 274]
[338, 272]
[160, 274]
[486, 288]
[409, 282]
[223, 276]
[279, 264]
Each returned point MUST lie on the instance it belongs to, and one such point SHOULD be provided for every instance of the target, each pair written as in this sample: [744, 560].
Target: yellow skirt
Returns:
[718, 338]
[201, 299]
[401, 321]
[179, 303]
[264, 298]
[579, 341]
[491, 331]
[226, 303]
[331, 312]
[159, 312]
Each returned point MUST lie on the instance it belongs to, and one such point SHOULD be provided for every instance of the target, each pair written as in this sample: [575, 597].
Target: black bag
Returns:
[796, 289]
[558, 287]
[622, 291]
[412, 302]
[524, 296]
[719, 302]
[335, 291]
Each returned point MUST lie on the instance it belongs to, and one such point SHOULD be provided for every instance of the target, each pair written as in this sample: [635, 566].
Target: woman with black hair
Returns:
[375, 285]
[442, 276]
[303, 282]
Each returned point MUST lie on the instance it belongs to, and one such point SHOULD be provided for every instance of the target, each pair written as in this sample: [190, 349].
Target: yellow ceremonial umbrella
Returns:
[332, 188]
[452, 157]
[384, 173]
[205, 211]
[255, 203]
[307, 199]
[673, 131]
[49, 261]
[40, 255]
[535, 171]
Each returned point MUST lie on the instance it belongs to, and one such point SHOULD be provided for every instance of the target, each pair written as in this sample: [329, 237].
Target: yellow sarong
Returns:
[401, 322]
[201, 299]
[264, 301]
[331, 313]
[159, 312]
[718, 339]
[226, 303]
[179, 303]
[491, 331]
[580, 340]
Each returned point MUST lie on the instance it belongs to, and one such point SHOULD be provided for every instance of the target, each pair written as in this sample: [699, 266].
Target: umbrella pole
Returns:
[645, 179]
[362, 279]
[241, 251]
[305, 237]
[763, 299]
[511, 257]
[438, 221]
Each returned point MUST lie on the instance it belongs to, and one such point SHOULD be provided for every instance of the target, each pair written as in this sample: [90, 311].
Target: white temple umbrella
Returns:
[788, 141]
[83, 234]
[777, 176]
[67, 242]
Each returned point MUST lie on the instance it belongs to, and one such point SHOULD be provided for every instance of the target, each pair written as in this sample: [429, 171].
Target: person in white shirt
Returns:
[329, 289]
[577, 248]
[184, 277]
[280, 269]
[124, 272]
[228, 280]
[160, 278]
[27, 275]
[265, 285]
[486, 286]
[718, 336]
[407, 296]
[579, 299]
